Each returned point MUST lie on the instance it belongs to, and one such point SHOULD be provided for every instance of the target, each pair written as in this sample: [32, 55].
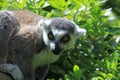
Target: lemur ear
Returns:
[79, 31]
[44, 24]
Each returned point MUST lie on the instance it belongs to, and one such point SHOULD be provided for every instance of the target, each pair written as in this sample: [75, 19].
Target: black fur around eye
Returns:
[51, 36]
[65, 38]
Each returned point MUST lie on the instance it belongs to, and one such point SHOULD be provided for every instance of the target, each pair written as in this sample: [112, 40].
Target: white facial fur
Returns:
[58, 34]
[46, 56]
[44, 26]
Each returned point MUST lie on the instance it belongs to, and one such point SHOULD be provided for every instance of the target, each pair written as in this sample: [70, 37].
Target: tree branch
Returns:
[4, 76]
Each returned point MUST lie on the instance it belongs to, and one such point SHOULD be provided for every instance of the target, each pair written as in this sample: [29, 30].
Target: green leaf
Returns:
[97, 78]
[77, 71]
[4, 5]
[57, 69]
[40, 3]
[76, 68]
[110, 76]
[22, 4]
[58, 4]
[102, 74]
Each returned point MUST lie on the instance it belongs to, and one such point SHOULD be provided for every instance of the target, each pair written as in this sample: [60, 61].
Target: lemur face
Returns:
[60, 34]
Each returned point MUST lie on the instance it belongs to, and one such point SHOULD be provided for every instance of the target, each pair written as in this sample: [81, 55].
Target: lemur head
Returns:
[60, 34]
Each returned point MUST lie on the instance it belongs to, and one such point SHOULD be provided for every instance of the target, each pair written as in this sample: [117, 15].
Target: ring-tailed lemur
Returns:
[29, 42]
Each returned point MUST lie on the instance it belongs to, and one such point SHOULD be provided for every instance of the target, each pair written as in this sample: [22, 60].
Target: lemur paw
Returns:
[13, 70]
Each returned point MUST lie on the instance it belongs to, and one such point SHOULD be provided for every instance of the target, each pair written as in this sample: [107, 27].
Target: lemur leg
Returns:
[41, 72]
[12, 70]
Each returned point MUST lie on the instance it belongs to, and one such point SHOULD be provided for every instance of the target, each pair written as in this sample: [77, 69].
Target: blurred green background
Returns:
[96, 56]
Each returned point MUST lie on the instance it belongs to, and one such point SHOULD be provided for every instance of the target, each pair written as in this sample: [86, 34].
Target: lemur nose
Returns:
[56, 51]
[55, 48]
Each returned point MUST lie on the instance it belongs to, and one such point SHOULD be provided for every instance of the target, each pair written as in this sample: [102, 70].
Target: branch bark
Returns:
[4, 76]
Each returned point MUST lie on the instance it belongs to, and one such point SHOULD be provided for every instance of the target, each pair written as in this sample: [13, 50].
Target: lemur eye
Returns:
[65, 38]
[51, 36]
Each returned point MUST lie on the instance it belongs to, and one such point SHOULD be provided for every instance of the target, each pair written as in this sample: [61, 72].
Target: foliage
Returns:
[95, 56]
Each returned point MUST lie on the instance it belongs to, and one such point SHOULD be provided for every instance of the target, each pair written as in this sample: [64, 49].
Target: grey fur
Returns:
[62, 23]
